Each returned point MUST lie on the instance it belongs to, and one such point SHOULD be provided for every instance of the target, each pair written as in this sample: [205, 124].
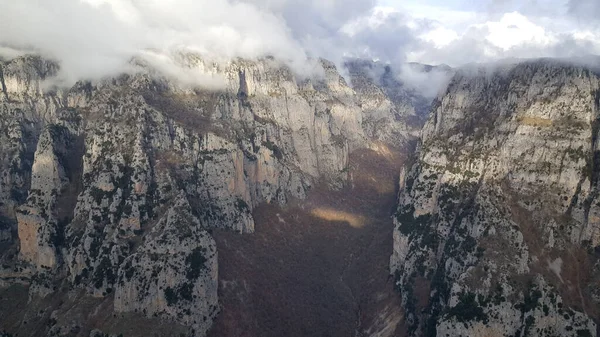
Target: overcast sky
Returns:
[93, 38]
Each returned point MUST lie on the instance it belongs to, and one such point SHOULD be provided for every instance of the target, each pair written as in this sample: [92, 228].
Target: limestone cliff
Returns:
[109, 190]
[497, 222]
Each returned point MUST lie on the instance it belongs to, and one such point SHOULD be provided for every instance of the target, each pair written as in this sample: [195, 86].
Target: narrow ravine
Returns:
[316, 267]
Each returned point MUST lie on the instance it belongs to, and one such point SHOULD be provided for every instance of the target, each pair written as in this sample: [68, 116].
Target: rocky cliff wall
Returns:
[111, 188]
[497, 227]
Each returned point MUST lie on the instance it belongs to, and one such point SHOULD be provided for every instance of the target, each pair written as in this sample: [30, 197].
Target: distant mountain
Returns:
[380, 84]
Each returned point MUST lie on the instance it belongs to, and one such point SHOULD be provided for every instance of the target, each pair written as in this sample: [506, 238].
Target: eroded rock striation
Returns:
[497, 227]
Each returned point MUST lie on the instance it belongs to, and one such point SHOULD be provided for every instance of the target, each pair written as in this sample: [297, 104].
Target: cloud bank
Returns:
[96, 38]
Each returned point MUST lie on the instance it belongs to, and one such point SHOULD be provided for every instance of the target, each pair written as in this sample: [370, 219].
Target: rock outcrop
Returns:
[497, 222]
[177, 281]
[38, 220]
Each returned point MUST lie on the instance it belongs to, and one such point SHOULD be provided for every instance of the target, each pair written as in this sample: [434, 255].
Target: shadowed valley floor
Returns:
[317, 267]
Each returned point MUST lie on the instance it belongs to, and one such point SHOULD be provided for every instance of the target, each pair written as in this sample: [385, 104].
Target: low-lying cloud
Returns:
[96, 38]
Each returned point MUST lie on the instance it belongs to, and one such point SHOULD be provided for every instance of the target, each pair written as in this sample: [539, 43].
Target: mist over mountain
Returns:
[95, 38]
[299, 168]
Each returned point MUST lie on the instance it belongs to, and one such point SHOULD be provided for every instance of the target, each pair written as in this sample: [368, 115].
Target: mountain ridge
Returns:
[112, 192]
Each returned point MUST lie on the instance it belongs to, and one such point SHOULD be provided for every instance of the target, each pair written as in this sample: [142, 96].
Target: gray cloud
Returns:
[87, 41]
[92, 38]
[388, 41]
[95, 38]
[92, 41]
[585, 9]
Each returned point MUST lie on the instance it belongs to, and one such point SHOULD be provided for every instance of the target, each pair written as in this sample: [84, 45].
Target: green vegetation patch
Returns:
[195, 262]
[274, 148]
[184, 292]
[468, 309]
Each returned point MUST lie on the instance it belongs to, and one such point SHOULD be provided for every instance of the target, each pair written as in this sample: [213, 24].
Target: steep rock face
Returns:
[38, 219]
[177, 281]
[22, 108]
[110, 188]
[496, 224]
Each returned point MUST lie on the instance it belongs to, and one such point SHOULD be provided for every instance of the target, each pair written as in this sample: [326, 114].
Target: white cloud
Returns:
[92, 38]
[515, 29]
[504, 35]
[440, 36]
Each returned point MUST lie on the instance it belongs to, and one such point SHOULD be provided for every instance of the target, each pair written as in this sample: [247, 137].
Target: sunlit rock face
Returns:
[38, 224]
[110, 189]
[497, 226]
